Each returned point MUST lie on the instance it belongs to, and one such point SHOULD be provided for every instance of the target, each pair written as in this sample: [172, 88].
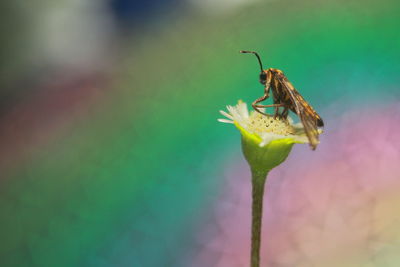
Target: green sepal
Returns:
[262, 159]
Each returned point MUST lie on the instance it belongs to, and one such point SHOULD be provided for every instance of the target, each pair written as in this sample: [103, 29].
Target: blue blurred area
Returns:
[129, 12]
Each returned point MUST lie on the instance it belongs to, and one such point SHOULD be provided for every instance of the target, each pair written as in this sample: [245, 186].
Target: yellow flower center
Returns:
[259, 123]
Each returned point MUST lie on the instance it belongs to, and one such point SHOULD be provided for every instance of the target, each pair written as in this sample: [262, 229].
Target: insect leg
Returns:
[266, 94]
[258, 100]
[285, 112]
[276, 111]
[270, 106]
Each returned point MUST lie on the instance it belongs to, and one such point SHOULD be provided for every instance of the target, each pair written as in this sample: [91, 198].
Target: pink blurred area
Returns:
[337, 206]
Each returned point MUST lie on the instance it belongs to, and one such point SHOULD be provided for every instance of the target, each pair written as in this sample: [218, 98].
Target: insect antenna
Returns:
[255, 53]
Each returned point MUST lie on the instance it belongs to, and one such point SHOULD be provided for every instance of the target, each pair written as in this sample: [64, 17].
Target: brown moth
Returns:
[287, 97]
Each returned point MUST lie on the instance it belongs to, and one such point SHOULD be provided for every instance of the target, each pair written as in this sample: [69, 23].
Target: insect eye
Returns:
[263, 78]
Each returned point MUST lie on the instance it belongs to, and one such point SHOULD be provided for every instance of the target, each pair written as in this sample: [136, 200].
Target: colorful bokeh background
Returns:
[111, 154]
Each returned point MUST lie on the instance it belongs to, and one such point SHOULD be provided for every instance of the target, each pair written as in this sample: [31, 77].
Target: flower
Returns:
[263, 129]
[266, 141]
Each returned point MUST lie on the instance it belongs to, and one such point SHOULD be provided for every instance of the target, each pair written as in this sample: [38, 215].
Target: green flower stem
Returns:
[261, 161]
[258, 182]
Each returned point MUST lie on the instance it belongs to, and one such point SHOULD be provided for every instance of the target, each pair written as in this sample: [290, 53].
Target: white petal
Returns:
[230, 109]
[226, 114]
[235, 114]
[242, 110]
[225, 121]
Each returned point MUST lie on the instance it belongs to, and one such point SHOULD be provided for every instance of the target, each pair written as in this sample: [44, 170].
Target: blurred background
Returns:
[111, 154]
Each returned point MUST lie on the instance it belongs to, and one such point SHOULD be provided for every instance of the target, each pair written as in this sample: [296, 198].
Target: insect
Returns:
[287, 97]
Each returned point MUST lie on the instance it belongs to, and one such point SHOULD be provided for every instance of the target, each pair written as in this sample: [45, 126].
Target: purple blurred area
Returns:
[337, 207]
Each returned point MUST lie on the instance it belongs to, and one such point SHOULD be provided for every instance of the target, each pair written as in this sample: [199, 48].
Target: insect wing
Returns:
[309, 118]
